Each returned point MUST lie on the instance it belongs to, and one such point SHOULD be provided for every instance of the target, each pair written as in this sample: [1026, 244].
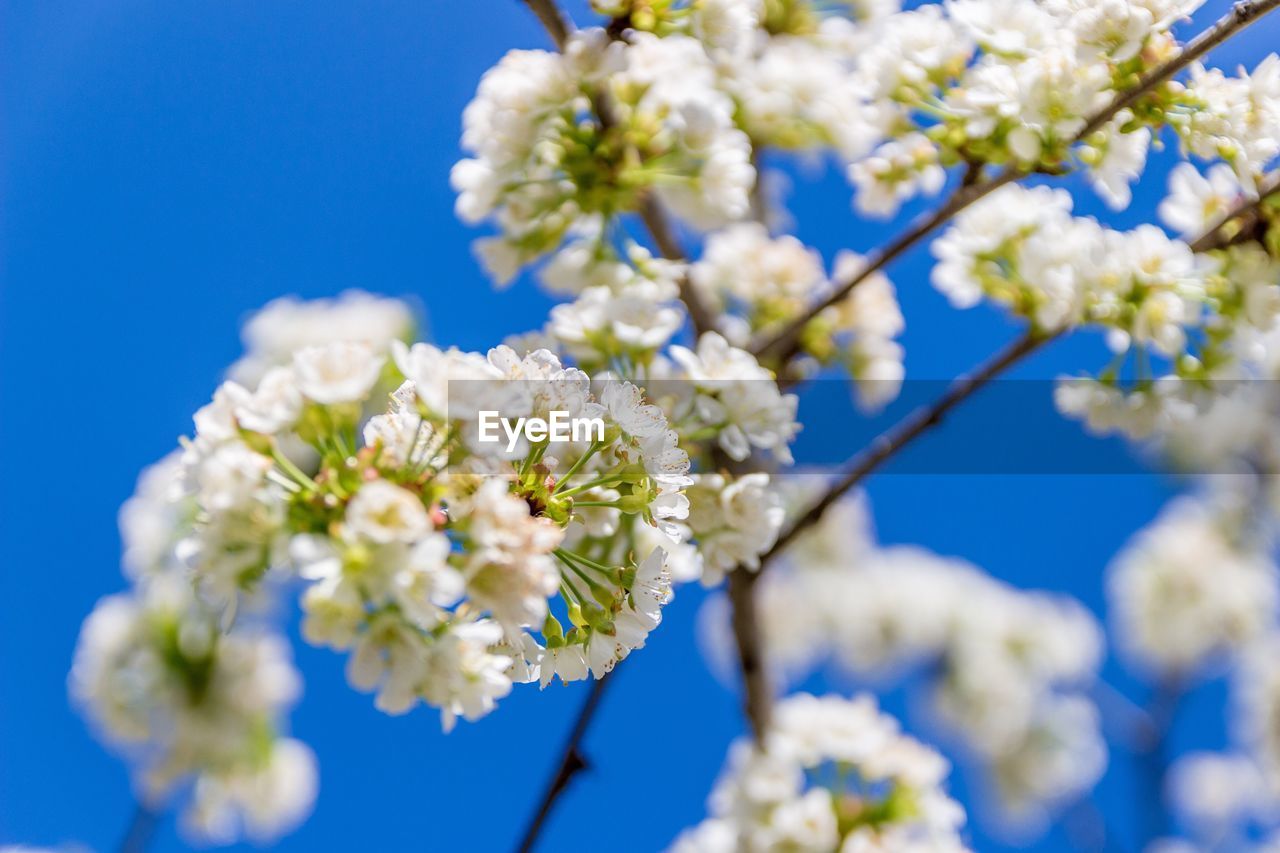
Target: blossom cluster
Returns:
[672, 97]
[1193, 589]
[192, 704]
[431, 556]
[760, 282]
[832, 774]
[545, 165]
[1008, 670]
[1206, 316]
[1234, 338]
[449, 568]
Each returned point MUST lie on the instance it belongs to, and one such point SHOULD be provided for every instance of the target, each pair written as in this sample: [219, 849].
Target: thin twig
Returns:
[898, 436]
[655, 219]
[757, 692]
[757, 695]
[784, 343]
[572, 762]
[556, 22]
[142, 829]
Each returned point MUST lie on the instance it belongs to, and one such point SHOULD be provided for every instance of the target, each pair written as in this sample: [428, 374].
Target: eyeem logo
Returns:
[559, 427]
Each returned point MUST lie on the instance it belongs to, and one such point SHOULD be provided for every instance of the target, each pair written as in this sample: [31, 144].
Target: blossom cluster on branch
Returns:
[833, 774]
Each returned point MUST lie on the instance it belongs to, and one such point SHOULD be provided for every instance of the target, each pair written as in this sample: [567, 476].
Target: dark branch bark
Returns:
[142, 829]
[572, 762]
[888, 443]
[554, 21]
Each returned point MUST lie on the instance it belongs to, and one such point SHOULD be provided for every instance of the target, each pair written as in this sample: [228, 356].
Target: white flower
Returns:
[1239, 119]
[1216, 791]
[381, 513]
[602, 323]
[803, 92]
[196, 704]
[983, 227]
[402, 436]
[464, 678]
[1002, 665]
[284, 326]
[273, 407]
[268, 802]
[908, 49]
[788, 795]
[897, 170]
[449, 383]
[1123, 157]
[743, 263]
[510, 570]
[152, 520]
[1196, 202]
[342, 372]
[727, 27]
[734, 521]
[1182, 594]
[739, 398]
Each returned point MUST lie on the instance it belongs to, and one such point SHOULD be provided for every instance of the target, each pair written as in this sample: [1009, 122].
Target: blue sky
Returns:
[168, 167]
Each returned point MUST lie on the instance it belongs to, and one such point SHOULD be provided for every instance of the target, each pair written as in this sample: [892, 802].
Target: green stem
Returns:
[599, 481]
[582, 460]
[293, 470]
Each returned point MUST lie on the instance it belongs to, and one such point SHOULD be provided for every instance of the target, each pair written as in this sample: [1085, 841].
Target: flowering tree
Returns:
[346, 466]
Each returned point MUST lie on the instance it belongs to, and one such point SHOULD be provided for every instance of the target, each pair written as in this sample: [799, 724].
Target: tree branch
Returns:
[783, 344]
[142, 829]
[898, 436]
[655, 219]
[572, 762]
[757, 692]
[554, 21]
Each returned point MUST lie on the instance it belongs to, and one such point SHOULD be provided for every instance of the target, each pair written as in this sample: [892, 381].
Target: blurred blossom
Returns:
[1188, 592]
[833, 774]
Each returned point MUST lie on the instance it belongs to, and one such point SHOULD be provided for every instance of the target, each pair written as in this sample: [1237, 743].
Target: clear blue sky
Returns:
[169, 166]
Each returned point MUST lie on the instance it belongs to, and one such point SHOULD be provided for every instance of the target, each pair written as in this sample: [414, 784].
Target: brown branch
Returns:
[785, 343]
[142, 829]
[572, 762]
[554, 21]
[1245, 217]
[887, 444]
[655, 219]
[757, 692]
